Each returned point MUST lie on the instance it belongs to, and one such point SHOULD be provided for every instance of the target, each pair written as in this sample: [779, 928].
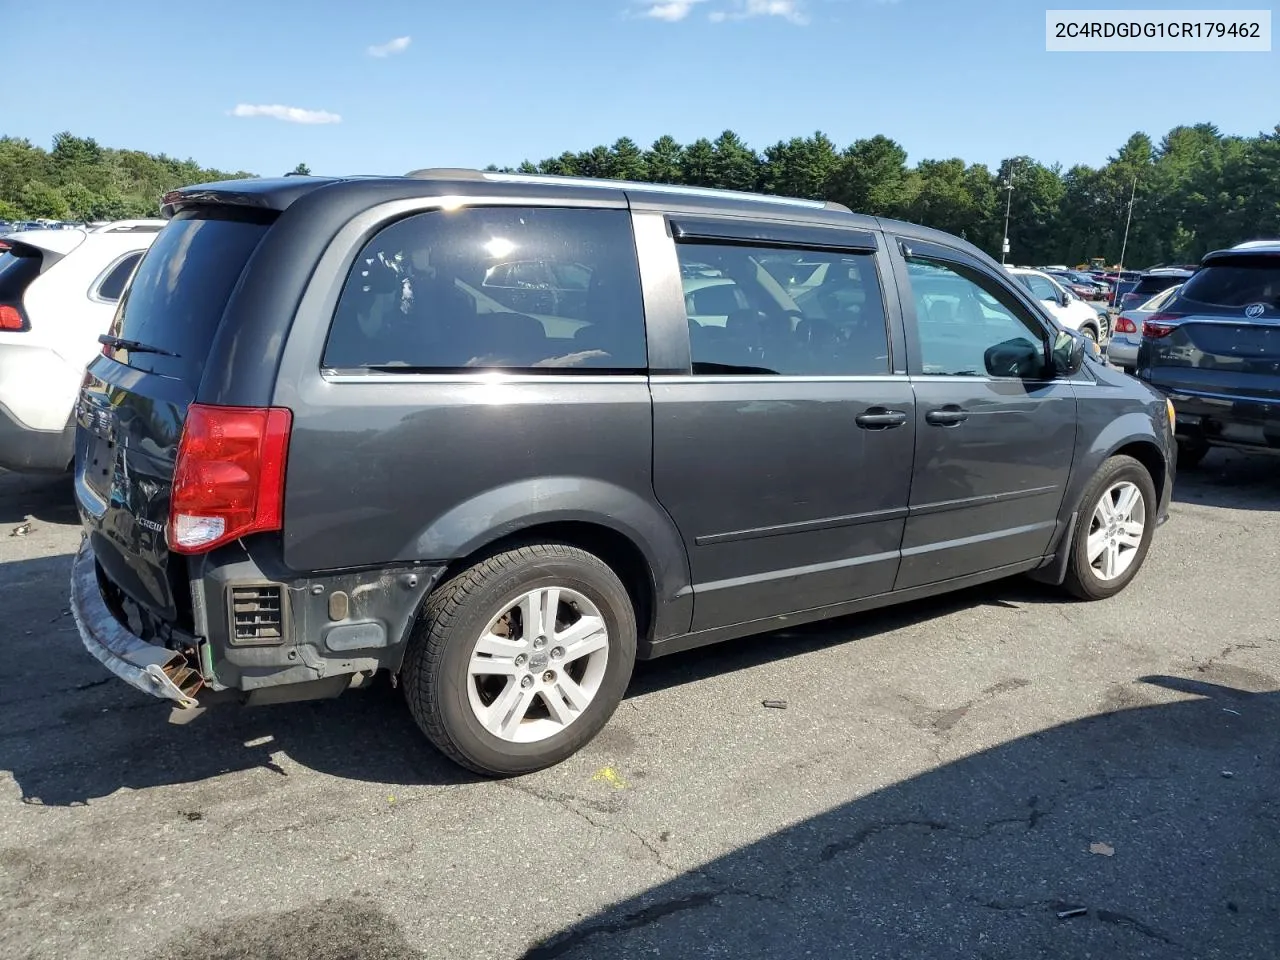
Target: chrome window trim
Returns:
[93, 292]
[500, 377]
[768, 378]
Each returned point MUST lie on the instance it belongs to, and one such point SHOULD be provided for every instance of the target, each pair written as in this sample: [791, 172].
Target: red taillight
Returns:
[11, 319]
[1158, 325]
[1125, 325]
[229, 478]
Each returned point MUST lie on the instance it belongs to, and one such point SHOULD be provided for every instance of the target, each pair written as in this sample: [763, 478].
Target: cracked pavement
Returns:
[933, 788]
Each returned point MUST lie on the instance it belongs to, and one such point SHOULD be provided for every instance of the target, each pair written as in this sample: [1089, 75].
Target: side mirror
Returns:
[1018, 357]
[1064, 299]
[1068, 353]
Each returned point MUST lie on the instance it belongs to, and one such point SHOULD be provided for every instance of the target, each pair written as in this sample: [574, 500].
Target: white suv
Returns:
[58, 293]
[1068, 309]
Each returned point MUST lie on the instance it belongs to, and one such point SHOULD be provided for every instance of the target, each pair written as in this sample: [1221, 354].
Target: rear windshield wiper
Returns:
[134, 346]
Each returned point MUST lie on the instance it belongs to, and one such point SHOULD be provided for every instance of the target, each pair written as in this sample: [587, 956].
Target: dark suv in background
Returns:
[1214, 350]
[489, 434]
[1150, 283]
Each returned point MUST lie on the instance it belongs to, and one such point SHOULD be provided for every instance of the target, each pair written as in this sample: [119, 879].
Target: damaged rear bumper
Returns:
[153, 669]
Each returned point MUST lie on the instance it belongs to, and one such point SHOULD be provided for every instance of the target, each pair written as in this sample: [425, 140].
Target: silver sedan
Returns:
[1126, 331]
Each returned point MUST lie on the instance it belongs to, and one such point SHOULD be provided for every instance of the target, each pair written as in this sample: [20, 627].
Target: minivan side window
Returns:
[785, 312]
[539, 290]
[968, 326]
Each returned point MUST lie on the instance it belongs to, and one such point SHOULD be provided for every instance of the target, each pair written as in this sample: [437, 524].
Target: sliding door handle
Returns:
[947, 416]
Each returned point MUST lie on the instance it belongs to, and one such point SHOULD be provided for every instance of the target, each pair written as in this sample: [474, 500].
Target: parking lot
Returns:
[1000, 773]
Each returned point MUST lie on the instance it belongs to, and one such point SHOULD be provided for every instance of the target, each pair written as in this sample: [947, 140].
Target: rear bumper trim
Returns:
[140, 664]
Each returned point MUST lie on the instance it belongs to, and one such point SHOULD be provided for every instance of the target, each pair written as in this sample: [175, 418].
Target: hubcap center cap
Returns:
[538, 661]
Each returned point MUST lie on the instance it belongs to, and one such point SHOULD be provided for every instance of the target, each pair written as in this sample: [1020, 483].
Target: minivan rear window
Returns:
[1236, 283]
[177, 297]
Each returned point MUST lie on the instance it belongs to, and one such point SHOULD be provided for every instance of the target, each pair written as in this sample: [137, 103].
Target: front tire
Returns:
[1113, 534]
[520, 660]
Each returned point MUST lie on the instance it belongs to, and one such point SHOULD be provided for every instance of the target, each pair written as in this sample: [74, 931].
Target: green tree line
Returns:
[80, 180]
[1193, 191]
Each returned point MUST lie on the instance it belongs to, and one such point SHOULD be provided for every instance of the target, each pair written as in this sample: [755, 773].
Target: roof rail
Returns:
[447, 173]
[130, 226]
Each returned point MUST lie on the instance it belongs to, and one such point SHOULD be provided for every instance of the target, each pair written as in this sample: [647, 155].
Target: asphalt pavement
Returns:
[1001, 773]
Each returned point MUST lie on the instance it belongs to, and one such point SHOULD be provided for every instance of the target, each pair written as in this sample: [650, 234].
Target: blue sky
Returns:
[435, 83]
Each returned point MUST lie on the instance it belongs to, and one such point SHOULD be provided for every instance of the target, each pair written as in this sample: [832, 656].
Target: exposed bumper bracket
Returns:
[161, 672]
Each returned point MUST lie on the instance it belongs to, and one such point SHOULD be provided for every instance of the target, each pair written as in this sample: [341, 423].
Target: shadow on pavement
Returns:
[1152, 831]
[1226, 478]
[36, 497]
[71, 733]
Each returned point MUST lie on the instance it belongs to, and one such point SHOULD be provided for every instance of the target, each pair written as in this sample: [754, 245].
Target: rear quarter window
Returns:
[540, 290]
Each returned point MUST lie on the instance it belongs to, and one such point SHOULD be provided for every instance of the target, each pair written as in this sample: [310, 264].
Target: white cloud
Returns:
[672, 10]
[792, 10]
[398, 45]
[288, 114]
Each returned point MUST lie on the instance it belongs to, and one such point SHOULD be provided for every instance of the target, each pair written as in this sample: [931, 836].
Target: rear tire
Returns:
[520, 660]
[1113, 534]
[1191, 452]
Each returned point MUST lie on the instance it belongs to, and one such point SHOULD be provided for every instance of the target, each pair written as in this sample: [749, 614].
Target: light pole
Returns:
[1008, 205]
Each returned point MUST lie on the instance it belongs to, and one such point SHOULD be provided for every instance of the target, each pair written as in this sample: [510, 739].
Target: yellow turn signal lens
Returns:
[1173, 417]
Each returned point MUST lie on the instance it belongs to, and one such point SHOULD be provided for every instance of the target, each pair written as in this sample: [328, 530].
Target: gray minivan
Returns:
[501, 435]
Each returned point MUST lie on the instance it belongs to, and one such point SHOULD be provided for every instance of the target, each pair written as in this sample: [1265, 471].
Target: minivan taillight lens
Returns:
[229, 478]
[1159, 325]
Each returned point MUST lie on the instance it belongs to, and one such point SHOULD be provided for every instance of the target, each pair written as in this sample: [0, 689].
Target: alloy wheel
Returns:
[1115, 530]
[538, 664]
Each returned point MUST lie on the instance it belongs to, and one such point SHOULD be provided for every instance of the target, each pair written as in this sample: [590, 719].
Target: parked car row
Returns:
[1213, 347]
[1066, 306]
[315, 441]
[15, 226]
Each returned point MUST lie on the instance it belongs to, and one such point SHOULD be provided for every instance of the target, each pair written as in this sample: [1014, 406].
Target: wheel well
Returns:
[615, 549]
[1147, 454]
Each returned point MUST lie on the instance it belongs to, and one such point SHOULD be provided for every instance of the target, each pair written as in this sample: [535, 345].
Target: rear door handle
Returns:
[947, 416]
[878, 418]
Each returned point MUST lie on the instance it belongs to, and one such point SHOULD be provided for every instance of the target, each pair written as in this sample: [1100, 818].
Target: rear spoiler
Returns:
[266, 195]
[52, 245]
[1255, 254]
